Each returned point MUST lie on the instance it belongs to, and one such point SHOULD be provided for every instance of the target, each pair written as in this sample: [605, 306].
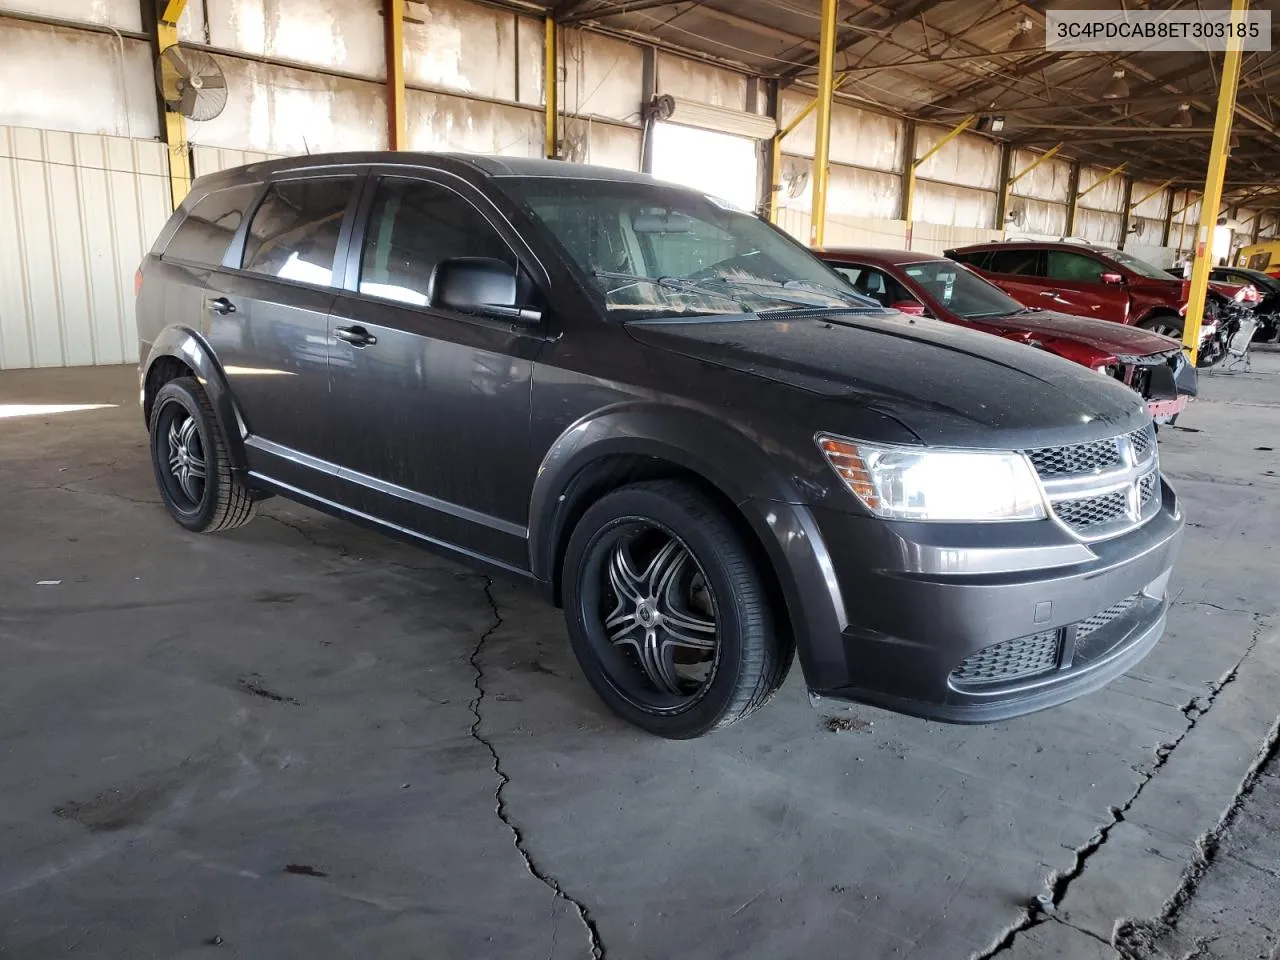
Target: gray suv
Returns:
[667, 415]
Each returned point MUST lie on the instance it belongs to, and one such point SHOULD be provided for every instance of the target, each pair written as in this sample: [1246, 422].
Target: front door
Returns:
[1076, 281]
[1018, 272]
[430, 407]
[269, 324]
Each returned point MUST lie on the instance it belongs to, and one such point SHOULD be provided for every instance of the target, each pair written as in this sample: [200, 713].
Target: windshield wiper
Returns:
[670, 283]
[769, 285]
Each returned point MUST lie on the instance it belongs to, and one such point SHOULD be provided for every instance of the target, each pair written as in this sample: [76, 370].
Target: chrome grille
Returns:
[1093, 511]
[1009, 660]
[1077, 458]
[1143, 441]
[1101, 488]
[1102, 618]
[1148, 488]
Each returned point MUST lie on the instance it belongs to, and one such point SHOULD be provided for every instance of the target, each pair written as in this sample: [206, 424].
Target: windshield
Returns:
[962, 292]
[657, 251]
[1140, 267]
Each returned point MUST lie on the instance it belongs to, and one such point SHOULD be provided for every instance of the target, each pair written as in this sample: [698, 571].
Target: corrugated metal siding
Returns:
[207, 160]
[936, 237]
[77, 213]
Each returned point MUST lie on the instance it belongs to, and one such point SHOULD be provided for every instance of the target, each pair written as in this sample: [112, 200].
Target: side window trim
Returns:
[234, 259]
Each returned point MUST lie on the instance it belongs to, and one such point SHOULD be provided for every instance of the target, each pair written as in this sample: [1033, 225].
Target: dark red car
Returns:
[919, 283]
[1088, 281]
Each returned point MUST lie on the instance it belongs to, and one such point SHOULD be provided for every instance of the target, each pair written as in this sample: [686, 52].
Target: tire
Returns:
[687, 576]
[1170, 324]
[187, 440]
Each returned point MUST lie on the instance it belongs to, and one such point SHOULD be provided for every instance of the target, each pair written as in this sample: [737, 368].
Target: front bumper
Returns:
[971, 623]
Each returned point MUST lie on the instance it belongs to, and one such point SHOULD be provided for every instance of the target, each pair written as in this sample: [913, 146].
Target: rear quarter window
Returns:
[206, 233]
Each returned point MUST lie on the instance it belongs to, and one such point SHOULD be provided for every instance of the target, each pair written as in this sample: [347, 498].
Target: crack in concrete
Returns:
[340, 548]
[1141, 933]
[1059, 881]
[500, 808]
[1215, 606]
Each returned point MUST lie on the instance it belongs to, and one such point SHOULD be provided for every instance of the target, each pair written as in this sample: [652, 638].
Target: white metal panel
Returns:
[283, 110]
[1154, 207]
[1037, 217]
[462, 46]
[65, 79]
[857, 136]
[967, 161]
[1051, 180]
[1143, 231]
[1107, 196]
[121, 14]
[1157, 256]
[530, 60]
[691, 80]
[207, 160]
[853, 194]
[936, 237]
[437, 121]
[706, 116]
[609, 145]
[601, 76]
[1098, 226]
[949, 205]
[77, 213]
[342, 35]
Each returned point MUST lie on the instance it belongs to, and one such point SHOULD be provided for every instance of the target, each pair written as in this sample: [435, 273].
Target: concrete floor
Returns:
[302, 740]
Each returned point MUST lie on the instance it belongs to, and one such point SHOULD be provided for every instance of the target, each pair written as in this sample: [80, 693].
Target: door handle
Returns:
[221, 305]
[356, 336]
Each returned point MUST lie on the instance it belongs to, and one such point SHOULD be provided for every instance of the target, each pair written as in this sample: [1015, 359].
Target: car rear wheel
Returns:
[667, 612]
[189, 456]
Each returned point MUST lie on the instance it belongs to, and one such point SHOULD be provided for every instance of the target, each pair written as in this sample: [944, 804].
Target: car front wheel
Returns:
[667, 612]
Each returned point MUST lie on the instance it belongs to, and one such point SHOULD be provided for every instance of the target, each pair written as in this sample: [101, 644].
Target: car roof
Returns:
[879, 255]
[1039, 245]
[476, 164]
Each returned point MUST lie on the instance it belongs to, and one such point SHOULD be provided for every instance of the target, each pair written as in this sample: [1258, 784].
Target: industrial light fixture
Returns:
[989, 123]
[1182, 118]
[1117, 88]
[1021, 40]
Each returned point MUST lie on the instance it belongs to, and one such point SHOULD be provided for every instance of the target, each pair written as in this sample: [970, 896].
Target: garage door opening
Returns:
[719, 164]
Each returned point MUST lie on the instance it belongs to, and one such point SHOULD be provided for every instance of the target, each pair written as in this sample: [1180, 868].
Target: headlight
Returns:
[915, 483]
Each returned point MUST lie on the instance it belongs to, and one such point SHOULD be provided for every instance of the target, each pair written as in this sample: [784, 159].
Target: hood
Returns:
[948, 385]
[1103, 336]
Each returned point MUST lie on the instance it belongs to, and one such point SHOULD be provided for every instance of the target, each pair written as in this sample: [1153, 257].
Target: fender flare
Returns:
[691, 439]
[183, 343]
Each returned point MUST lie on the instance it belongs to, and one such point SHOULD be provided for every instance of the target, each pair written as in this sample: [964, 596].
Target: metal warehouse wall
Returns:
[77, 212]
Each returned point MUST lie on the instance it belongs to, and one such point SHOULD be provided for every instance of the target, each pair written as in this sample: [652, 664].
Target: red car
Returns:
[917, 283]
[1088, 281]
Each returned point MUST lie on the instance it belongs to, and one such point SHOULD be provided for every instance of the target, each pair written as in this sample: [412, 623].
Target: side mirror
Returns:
[1114, 279]
[479, 285]
[913, 307]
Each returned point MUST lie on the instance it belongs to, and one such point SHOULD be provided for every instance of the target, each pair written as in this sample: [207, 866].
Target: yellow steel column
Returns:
[175, 125]
[775, 145]
[550, 85]
[909, 191]
[1211, 199]
[397, 139]
[1075, 201]
[822, 142]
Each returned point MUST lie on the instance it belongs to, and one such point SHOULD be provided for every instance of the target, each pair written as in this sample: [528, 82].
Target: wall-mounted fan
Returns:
[794, 179]
[191, 82]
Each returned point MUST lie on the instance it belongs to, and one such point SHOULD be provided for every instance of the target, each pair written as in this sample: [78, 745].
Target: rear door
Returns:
[270, 315]
[1075, 286]
[430, 406]
[1018, 271]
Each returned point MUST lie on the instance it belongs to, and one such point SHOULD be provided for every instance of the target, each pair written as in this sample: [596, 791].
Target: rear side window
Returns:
[209, 228]
[1018, 262]
[1064, 265]
[412, 227]
[294, 232]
